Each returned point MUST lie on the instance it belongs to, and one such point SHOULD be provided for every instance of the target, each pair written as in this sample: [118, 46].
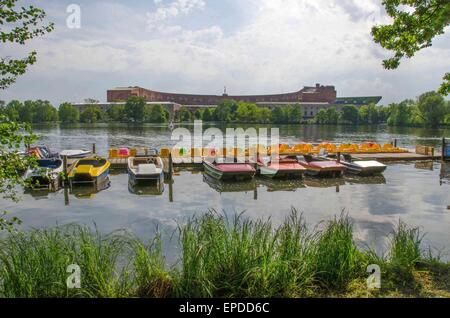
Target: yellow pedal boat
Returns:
[89, 170]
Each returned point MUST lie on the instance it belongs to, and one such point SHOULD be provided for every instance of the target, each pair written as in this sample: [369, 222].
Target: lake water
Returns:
[417, 193]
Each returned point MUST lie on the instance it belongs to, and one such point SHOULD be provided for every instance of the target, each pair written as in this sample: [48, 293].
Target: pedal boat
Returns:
[321, 167]
[222, 170]
[75, 153]
[362, 168]
[145, 169]
[287, 167]
[90, 170]
[46, 175]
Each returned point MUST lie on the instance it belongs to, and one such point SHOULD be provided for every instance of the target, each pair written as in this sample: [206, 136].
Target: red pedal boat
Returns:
[229, 171]
[321, 167]
[287, 167]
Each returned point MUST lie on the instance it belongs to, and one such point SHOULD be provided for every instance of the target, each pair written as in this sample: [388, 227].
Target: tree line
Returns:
[428, 110]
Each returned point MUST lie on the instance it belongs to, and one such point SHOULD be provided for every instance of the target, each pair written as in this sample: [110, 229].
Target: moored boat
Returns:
[75, 153]
[145, 169]
[222, 170]
[362, 168]
[46, 175]
[286, 167]
[42, 152]
[321, 167]
[89, 170]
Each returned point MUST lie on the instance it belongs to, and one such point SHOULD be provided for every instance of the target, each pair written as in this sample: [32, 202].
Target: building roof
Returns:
[365, 100]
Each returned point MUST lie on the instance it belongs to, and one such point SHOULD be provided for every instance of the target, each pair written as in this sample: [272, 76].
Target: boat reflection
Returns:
[274, 185]
[424, 165]
[88, 191]
[377, 179]
[445, 173]
[39, 194]
[229, 186]
[157, 188]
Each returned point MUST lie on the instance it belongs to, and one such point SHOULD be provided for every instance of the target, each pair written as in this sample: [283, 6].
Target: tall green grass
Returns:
[220, 257]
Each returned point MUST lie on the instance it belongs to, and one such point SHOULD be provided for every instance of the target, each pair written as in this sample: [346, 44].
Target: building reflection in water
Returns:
[445, 173]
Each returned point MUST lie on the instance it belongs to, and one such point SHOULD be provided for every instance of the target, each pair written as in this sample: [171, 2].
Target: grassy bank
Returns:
[221, 257]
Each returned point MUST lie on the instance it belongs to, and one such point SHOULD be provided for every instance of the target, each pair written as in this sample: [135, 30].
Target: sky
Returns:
[200, 46]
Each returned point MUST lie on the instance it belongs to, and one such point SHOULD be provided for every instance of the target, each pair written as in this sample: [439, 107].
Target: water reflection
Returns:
[146, 190]
[89, 191]
[229, 186]
[445, 173]
[377, 179]
[424, 165]
[273, 185]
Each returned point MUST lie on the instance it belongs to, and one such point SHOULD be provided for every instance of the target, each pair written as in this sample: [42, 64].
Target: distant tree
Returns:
[332, 116]
[198, 114]
[295, 114]
[247, 113]
[91, 114]
[184, 115]
[432, 108]
[415, 24]
[91, 101]
[225, 110]
[383, 114]
[350, 114]
[207, 115]
[26, 113]
[44, 112]
[116, 113]
[158, 114]
[265, 115]
[278, 115]
[19, 24]
[13, 109]
[135, 108]
[68, 113]
[401, 113]
[321, 117]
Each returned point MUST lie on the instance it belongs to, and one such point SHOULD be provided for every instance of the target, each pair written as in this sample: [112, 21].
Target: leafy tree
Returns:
[225, 110]
[350, 114]
[91, 114]
[278, 115]
[13, 136]
[412, 30]
[44, 112]
[295, 114]
[26, 113]
[158, 114]
[68, 113]
[368, 114]
[207, 115]
[332, 115]
[321, 117]
[383, 114]
[432, 108]
[247, 113]
[401, 113]
[265, 115]
[135, 108]
[18, 25]
[12, 110]
[116, 113]
[198, 115]
[184, 115]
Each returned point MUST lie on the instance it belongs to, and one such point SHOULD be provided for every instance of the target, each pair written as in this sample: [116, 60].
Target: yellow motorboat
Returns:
[90, 170]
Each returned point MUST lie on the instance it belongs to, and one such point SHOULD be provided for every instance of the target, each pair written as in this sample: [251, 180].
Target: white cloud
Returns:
[163, 13]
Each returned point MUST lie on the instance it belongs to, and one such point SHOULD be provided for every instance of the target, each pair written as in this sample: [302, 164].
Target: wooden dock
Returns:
[389, 157]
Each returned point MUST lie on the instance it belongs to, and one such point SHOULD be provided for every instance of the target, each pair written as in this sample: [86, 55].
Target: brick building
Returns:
[311, 99]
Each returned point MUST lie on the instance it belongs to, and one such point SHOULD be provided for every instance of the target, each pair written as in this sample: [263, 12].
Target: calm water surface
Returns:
[415, 193]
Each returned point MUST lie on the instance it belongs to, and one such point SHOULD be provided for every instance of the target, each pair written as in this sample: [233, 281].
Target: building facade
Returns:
[310, 99]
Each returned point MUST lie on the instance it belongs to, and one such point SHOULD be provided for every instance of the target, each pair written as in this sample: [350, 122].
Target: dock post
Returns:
[443, 149]
[395, 142]
[93, 149]
[170, 165]
[65, 168]
[338, 157]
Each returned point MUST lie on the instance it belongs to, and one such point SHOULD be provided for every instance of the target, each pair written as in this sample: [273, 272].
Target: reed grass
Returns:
[220, 256]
